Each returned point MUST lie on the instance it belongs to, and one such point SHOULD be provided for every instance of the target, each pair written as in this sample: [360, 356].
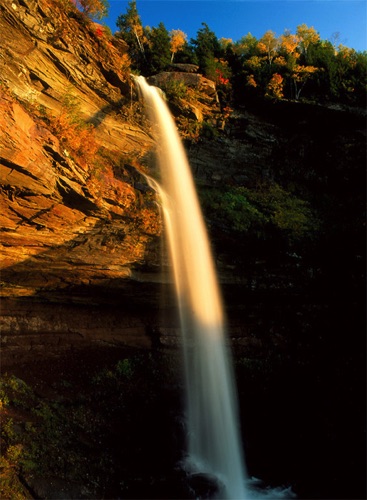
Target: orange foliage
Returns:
[251, 81]
[275, 87]
[220, 78]
[289, 44]
[79, 139]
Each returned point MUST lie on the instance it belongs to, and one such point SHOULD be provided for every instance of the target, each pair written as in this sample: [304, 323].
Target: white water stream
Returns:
[214, 441]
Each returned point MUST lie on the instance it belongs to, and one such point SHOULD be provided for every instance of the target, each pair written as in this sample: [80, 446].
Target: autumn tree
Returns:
[274, 88]
[290, 51]
[177, 42]
[95, 9]
[300, 75]
[307, 37]
[132, 31]
[288, 47]
[268, 45]
[225, 43]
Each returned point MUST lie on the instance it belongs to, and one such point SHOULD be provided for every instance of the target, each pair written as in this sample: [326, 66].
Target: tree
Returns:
[274, 88]
[96, 9]
[158, 53]
[300, 75]
[322, 55]
[177, 41]
[207, 48]
[225, 43]
[246, 46]
[307, 36]
[268, 45]
[351, 75]
[289, 44]
[132, 31]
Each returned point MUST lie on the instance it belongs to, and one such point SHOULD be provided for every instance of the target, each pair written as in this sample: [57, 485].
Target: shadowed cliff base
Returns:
[302, 403]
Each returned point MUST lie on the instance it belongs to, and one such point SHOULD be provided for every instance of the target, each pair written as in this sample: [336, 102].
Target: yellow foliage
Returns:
[177, 41]
[302, 73]
[254, 62]
[93, 8]
[307, 36]
[268, 45]
[280, 61]
[225, 42]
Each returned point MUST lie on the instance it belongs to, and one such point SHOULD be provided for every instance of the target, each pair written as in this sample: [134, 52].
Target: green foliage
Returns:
[158, 55]
[287, 213]
[73, 435]
[132, 31]
[14, 391]
[175, 90]
[56, 444]
[208, 131]
[231, 209]
[70, 106]
[125, 368]
[260, 212]
[206, 47]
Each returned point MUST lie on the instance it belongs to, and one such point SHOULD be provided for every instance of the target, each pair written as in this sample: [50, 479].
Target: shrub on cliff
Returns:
[266, 213]
[77, 135]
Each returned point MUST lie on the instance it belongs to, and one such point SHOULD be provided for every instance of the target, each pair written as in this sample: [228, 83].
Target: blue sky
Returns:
[235, 18]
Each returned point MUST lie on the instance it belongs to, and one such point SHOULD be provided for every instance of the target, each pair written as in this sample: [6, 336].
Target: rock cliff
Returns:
[73, 210]
[79, 222]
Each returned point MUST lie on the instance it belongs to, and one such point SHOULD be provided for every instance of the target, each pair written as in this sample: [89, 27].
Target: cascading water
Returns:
[214, 443]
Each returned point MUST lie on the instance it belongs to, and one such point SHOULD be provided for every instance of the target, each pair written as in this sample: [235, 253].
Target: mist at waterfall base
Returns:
[214, 445]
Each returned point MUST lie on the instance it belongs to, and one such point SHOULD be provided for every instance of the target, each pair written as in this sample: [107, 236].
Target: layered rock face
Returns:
[78, 221]
[66, 217]
[74, 211]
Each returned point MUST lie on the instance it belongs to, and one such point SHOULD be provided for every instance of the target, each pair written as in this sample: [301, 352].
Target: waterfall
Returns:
[214, 441]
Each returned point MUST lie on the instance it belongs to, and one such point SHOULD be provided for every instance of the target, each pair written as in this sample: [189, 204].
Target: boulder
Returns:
[184, 68]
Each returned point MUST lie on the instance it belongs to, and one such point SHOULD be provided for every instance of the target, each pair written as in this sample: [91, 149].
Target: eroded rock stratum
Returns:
[73, 208]
[79, 223]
